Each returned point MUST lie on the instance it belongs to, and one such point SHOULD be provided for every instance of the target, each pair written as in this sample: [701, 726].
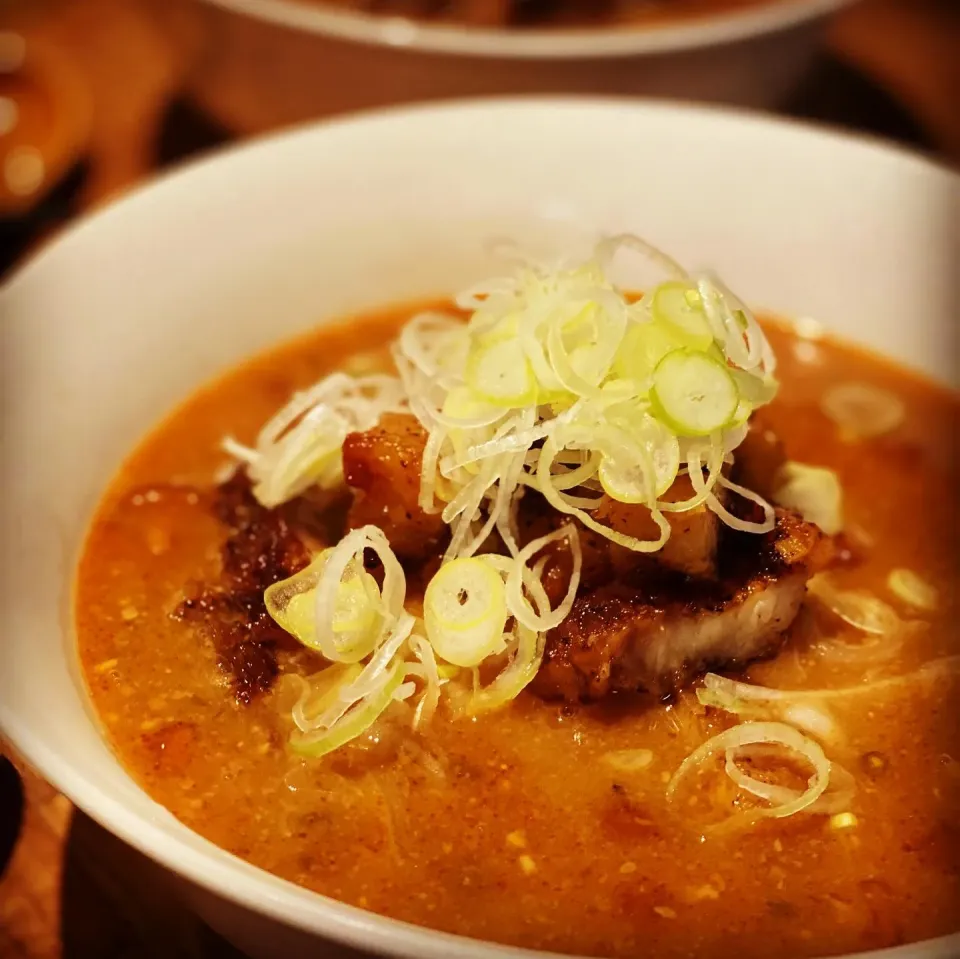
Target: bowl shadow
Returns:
[116, 903]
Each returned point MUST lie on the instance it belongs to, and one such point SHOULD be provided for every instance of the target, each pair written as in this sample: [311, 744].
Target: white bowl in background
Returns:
[267, 63]
[132, 310]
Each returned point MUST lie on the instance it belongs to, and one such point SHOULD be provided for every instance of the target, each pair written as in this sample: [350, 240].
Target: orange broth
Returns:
[515, 827]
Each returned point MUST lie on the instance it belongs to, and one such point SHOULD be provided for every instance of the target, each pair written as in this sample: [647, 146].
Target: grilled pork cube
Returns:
[692, 546]
[382, 466]
[655, 633]
[758, 459]
[537, 518]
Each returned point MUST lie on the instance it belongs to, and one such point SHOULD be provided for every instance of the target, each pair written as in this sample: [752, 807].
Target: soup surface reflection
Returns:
[520, 827]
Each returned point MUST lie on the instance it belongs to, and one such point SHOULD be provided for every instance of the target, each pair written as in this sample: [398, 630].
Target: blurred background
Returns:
[96, 95]
[99, 95]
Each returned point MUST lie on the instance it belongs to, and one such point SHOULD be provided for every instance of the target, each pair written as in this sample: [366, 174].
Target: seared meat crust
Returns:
[710, 598]
[654, 631]
[382, 466]
[261, 547]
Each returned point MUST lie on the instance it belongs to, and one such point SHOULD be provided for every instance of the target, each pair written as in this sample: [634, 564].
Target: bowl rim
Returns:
[863, 140]
[769, 16]
[202, 862]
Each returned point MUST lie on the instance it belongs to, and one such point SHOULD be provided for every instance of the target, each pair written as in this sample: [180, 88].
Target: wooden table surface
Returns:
[70, 889]
[74, 891]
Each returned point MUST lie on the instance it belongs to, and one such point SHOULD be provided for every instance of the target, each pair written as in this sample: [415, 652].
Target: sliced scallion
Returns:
[465, 610]
[693, 393]
[679, 305]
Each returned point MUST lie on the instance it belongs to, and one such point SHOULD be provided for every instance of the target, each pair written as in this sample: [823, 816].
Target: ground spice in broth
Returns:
[517, 827]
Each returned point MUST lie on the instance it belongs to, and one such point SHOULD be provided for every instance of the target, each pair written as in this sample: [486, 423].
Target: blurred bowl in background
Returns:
[45, 121]
[269, 63]
[127, 312]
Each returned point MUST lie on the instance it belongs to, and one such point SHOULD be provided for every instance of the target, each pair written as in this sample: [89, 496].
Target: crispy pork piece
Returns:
[261, 547]
[691, 549]
[758, 459]
[692, 546]
[382, 466]
[537, 518]
[654, 633]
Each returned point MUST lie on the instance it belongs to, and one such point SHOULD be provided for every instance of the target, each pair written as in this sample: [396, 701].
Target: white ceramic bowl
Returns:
[131, 310]
[266, 63]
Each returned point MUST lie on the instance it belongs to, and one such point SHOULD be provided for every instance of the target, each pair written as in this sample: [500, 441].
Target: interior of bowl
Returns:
[130, 312]
[662, 36]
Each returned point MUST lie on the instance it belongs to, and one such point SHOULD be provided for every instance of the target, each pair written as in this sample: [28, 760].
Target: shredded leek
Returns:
[758, 702]
[430, 672]
[836, 798]
[354, 722]
[300, 446]
[814, 492]
[734, 691]
[613, 386]
[525, 659]
[629, 760]
[356, 620]
[520, 578]
[320, 692]
[783, 804]
[862, 410]
[832, 788]
[912, 589]
[560, 357]
[859, 608]
[558, 381]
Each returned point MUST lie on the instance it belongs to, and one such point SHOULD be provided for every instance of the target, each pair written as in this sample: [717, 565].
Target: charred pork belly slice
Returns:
[382, 466]
[655, 632]
[261, 548]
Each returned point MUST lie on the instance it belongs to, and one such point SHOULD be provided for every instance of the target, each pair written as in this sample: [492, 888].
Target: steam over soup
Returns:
[587, 622]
